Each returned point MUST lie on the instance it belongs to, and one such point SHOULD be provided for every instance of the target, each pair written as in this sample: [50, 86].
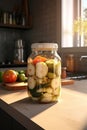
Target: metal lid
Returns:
[44, 46]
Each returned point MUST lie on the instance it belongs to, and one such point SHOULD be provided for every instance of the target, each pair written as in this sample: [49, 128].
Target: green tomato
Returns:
[51, 75]
[21, 71]
[51, 65]
[22, 78]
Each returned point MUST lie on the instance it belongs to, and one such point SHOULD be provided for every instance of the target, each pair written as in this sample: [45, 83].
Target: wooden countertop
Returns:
[70, 113]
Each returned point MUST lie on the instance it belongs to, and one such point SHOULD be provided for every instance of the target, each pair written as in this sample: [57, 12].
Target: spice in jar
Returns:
[63, 74]
[70, 63]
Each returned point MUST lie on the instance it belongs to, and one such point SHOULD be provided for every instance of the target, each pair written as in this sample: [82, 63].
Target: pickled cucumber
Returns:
[51, 65]
[31, 69]
[46, 97]
[51, 75]
[55, 83]
[44, 80]
[31, 83]
[41, 69]
[58, 68]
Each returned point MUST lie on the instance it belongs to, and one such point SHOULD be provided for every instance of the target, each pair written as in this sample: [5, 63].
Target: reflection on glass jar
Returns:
[44, 72]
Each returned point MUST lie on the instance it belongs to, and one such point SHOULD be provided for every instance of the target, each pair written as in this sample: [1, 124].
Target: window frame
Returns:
[73, 49]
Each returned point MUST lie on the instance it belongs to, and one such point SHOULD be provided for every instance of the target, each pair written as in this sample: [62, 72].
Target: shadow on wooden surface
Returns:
[31, 108]
[11, 119]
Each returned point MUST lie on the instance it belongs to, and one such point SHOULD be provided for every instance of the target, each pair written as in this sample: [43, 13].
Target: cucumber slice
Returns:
[41, 69]
[51, 65]
[31, 83]
[45, 90]
[56, 91]
[55, 83]
[49, 90]
[46, 98]
[42, 80]
[55, 98]
[58, 69]
[51, 75]
[31, 69]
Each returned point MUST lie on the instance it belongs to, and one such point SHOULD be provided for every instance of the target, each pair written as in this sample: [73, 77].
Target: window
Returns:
[71, 10]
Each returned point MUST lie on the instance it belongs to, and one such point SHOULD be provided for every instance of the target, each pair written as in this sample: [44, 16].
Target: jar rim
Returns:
[44, 46]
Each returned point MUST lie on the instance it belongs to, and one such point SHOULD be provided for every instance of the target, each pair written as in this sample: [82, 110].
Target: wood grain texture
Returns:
[67, 82]
[11, 119]
[23, 85]
[70, 113]
[15, 86]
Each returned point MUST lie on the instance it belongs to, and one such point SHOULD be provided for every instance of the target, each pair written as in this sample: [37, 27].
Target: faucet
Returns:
[83, 57]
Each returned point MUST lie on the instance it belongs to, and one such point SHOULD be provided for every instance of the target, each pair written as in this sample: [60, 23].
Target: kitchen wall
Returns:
[45, 28]
[7, 41]
[8, 36]
[46, 25]
[46, 17]
[46, 21]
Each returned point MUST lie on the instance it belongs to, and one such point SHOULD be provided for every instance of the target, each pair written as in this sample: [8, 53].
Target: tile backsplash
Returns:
[7, 42]
[44, 21]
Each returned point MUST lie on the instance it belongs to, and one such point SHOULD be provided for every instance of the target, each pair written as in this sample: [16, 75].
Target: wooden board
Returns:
[23, 85]
[67, 82]
[15, 86]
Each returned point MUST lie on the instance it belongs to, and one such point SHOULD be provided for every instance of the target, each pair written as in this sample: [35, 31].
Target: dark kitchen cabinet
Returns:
[15, 14]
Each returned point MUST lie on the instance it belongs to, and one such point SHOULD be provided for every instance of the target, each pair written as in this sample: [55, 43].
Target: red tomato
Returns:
[9, 76]
[39, 59]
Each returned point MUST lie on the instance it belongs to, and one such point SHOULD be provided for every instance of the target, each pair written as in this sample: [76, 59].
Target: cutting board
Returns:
[67, 81]
[15, 86]
[23, 85]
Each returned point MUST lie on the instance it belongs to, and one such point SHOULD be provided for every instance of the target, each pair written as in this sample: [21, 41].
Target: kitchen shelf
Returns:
[14, 26]
[24, 9]
[13, 65]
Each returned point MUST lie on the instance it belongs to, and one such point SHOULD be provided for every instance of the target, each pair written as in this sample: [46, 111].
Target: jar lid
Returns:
[44, 46]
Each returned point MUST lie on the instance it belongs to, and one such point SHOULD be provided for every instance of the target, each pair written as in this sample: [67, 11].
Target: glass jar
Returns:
[44, 72]
[70, 63]
[63, 73]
